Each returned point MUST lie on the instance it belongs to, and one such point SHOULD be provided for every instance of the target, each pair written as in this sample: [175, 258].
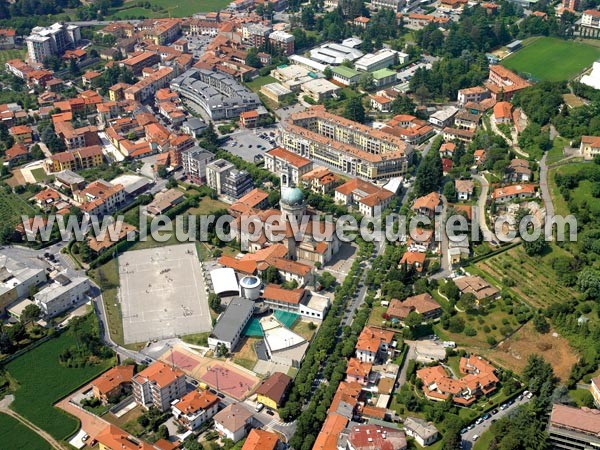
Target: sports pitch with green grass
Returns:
[552, 59]
[170, 8]
[43, 381]
[15, 435]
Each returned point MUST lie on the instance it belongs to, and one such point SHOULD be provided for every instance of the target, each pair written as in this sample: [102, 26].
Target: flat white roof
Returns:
[224, 280]
[278, 337]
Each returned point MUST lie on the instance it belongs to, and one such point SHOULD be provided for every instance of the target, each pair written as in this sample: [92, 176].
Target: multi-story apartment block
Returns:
[394, 5]
[158, 386]
[136, 62]
[195, 408]
[590, 19]
[152, 81]
[256, 34]
[573, 428]
[194, 162]
[345, 146]
[219, 95]
[216, 172]
[236, 183]
[100, 197]
[78, 159]
[283, 41]
[52, 40]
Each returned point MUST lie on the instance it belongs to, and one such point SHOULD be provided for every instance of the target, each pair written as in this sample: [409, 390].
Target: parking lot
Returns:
[471, 434]
[249, 143]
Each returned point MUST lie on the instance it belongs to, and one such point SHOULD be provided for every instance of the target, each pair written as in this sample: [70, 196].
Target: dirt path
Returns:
[9, 412]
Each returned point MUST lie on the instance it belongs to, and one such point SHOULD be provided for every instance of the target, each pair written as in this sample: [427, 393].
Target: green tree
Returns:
[355, 110]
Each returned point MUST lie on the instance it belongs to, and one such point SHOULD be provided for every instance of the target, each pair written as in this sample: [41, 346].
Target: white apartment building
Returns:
[64, 293]
[158, 385]
[52, 40]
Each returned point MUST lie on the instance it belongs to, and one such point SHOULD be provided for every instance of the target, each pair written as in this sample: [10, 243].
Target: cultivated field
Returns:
[552, 59]
[513, 353]
[12, 206]
[14, 435]
[42, 381]
[539, 290]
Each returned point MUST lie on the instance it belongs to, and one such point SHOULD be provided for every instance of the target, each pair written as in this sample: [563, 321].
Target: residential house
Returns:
[371, 436]
[373, 343]
[464, 189]
[195, 408]
[423, 304]
[358, 371]
[413, 260]
[479, 157]
[113, 383]
[589, 147]
[472, 94]
[518, 171]
[233, 422]
[261, 440]
[477, 286]
[16, 154]
[447, 149]
[425, 433]
[158, 386]
[100, 197]
[427, 205]
[503, 113]
[164, 201]
[514, 192]
[320, 180]
[21, 133]
[456, 134]
[113, 438]
[272, 391]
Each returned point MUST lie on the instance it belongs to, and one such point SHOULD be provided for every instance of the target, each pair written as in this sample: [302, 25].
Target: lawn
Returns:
[539, 291]
[6, 55]
[303, 328]
[15, 436]
[582, 397]
[12, 206]
[107, 277]
[39, 174]
[556, 152]
[246, 355]
[259, 82]
[552, 59]
[207, 206]
[42, 381]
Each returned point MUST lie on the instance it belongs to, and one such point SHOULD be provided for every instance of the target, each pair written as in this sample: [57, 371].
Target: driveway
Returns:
[90, 423]
[488, 236]
[546, 197]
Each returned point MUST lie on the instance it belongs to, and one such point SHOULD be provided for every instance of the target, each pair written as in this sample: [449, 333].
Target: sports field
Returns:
[552, 59]
[169, 8]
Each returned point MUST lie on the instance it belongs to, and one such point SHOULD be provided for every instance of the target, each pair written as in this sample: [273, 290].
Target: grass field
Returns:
[16, 436]
[12, 206]
[259, 82]
[556, 152]
[168, 8]
[579, 194]
[6, 55]
[107, 277]
[42, 381]
[514, 264]
[552, 59]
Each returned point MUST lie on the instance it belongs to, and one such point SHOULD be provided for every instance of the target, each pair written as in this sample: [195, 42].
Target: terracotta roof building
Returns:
[272, 391]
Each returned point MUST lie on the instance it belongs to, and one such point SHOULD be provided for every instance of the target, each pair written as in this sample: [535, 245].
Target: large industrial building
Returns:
[345, 146]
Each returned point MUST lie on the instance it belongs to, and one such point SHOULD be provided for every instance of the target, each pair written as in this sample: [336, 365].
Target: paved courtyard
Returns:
[163, 293]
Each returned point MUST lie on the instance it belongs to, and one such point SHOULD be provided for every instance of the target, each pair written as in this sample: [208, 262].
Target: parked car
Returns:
[259, 407]
[475, 437]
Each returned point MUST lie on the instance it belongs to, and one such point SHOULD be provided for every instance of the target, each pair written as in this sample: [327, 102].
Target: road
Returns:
[445, 268]
[478, 430]
[411, 354]
[546, 197]
[488, 236]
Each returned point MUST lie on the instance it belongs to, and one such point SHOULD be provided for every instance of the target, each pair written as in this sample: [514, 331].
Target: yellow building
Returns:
[273, 390]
